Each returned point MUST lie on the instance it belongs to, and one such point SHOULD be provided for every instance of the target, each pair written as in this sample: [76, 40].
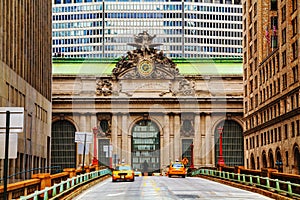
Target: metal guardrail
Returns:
[258, 181]
[58, 169]
[66, 185]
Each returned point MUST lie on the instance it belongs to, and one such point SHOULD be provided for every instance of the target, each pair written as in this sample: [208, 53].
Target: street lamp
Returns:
[192, 156]
[95, 160]
[221, 160]
[279, 165]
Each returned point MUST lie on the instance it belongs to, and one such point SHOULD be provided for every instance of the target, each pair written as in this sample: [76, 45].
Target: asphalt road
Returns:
[164, 188]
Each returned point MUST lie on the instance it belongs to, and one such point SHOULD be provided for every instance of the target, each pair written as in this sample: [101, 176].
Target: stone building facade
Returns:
[271, 87]
[25, 78]
[146, 107]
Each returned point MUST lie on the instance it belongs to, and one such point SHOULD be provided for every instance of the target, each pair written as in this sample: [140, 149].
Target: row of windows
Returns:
[97, 24]
[77, 8]
[122, 40]
[284, 106]
[122, 48]
[275, 135]
[146, 6]
[146, 16]
[116, 55]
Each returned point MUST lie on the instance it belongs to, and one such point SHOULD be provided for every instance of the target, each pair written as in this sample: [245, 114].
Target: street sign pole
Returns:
[6, 155]
[84, 151]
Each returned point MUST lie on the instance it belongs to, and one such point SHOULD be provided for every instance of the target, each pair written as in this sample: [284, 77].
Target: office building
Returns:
[271, 88]
[188, 29]
[25, 79]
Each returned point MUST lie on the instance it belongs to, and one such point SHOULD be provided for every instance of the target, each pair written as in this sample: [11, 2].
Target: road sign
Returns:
[13, 146]
[16, 119]
[79, 137]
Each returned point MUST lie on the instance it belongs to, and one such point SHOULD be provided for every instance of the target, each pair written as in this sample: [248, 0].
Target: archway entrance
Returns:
[233, 153]
[63, 146]
[145, 146]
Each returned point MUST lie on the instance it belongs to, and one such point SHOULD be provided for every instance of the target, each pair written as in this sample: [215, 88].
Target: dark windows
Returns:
[295, 50]
[295, 74]
[57, 1]
[284, 36]
[283, 59]
[284, 81]
[294, 5]
[67, 1]
[77, 1]
[294, 25]
[273, 4]
[283, 13]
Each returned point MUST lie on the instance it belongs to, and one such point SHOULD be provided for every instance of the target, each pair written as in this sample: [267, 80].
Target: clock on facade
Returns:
[145, 67]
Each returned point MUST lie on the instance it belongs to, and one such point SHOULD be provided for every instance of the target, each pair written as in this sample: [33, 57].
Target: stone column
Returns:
[114, 135]
[197, 141]
[166, 141]
[124, 128]
[177, 137]
[93, 123]
[208, 141]
[119, 140]
[171, 140]
[202, 140]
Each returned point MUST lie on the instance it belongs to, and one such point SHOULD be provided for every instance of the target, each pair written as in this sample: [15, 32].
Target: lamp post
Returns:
[221, 160]
[192, 156]
[95, 160]
[279, 165]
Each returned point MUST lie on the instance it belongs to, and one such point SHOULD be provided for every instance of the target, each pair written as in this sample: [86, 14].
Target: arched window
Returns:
[63, 146]
[271, 159]
[252, 162]
[264, 160]
[146, 146]
[233, 148]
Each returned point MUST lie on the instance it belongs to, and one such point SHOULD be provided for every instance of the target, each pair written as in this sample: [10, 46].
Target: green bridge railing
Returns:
[67, 185]
[274, 185]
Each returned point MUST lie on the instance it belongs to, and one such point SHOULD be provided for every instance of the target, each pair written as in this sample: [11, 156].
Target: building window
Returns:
[283, 36]
[295, 49]
[293, 129]
[67, 1]
[284, 81]
[294, 25]
[273, 4]
[283, 13]
[295, 73]
[57, 1]
[283, 59]
[279, 133]
[294, 5]
[286, 129]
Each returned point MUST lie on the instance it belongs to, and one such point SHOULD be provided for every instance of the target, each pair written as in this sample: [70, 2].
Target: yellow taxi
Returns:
[177, 168]
[123, 172]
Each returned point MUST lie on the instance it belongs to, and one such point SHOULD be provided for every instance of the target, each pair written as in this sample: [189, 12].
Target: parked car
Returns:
[137, 173]
[123, 172]
[178, 169]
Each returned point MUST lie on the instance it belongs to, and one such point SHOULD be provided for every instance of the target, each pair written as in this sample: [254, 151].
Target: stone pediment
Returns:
[147, 71]
[151, 66]
[145, 62]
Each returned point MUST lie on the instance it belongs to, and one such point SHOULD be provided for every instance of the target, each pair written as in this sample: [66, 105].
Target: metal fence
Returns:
[274, 185]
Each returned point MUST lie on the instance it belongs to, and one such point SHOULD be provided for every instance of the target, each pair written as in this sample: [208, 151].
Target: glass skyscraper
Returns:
[187, 29]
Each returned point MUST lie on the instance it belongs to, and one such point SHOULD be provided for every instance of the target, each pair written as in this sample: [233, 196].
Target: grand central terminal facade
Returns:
[146, 107]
